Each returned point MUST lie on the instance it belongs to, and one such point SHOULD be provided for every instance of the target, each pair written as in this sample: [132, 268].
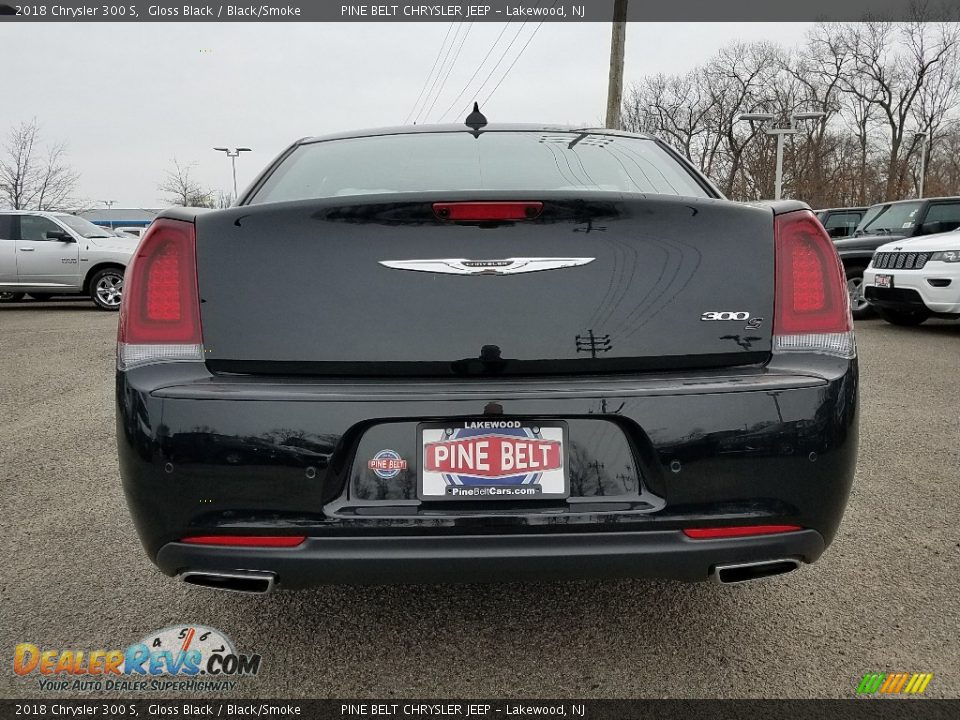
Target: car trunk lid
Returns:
[613, 283]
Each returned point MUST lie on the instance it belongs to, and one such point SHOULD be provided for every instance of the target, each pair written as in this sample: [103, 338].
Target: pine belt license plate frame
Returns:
[553, 483]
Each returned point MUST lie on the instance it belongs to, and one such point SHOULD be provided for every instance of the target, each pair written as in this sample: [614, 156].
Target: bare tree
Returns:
[223, 200]
[891, 75]
[877, 83]
[33, 177]
[182, 189]
[740, 79]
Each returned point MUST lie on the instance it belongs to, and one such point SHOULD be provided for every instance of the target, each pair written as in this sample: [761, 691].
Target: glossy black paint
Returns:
[660, 451]
[687, 423]
[863, 246]
[660, 263]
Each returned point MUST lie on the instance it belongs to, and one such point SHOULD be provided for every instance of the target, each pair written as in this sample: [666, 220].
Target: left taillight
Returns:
[160, 310]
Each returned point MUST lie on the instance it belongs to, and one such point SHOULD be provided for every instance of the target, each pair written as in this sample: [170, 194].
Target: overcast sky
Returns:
[127, 97]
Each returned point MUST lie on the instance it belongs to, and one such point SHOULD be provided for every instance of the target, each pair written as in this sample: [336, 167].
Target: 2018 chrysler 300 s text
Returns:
[457, 353]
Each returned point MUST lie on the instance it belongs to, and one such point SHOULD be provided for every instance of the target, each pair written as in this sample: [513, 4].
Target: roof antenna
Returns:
[476, 120]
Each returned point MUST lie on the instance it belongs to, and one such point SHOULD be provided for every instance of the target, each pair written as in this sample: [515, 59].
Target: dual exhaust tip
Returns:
[737, 573]
[258, 582]
[254, 582]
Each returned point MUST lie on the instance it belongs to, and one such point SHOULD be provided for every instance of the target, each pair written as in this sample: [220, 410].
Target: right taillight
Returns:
[811, 306]
[160, 310]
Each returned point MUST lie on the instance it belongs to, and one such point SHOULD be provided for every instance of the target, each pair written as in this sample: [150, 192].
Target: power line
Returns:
[453, 62]
[516, 58]
[429, 75]
[436, 79]
[475, 72]
[503, 56]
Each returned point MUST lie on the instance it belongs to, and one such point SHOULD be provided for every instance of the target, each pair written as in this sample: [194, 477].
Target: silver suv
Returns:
[47, 253]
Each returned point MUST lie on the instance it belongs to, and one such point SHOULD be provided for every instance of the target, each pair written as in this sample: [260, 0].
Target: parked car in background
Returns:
[840, 222]
[46, 254]
[505, 353]
[883, 223]
[911, 280]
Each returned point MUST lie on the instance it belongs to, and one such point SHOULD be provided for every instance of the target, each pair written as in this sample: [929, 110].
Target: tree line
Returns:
[36, 175]
[888, 91]
[878, 84]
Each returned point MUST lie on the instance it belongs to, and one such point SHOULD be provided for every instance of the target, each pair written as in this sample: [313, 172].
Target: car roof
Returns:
[461, 128]
[48, 213]
[915, 200]
[842, 209]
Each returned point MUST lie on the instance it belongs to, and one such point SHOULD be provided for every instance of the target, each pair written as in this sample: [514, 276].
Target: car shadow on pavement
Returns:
[556, 639]
[50, 305]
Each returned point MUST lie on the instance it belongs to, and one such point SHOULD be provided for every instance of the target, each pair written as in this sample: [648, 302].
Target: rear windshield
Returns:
[458, 161]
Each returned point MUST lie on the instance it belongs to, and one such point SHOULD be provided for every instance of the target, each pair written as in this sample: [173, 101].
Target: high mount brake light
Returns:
[737, 531]
[160, 310]
[812, 308]
[487, 211]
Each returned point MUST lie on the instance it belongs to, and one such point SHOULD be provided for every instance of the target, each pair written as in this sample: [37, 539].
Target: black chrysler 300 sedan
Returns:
[457, 353]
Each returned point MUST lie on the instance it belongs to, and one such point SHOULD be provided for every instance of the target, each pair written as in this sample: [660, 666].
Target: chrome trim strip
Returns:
[715, 575]
[493, 266]
[269, 577]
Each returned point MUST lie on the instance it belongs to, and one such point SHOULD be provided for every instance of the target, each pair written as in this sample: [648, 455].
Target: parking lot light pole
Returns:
[109, 204]
[233, 154]
[781, 133]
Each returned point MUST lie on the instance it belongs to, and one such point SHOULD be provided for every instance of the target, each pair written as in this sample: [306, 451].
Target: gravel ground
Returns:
[883, 598]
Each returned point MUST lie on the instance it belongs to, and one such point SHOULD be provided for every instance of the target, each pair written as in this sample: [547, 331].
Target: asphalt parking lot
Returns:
[883, 598]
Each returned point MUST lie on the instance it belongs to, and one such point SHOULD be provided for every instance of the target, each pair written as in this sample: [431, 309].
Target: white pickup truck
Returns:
[48, 253]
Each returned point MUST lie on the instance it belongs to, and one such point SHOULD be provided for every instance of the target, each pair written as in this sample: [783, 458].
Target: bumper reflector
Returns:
[247, 540]
[737, 531]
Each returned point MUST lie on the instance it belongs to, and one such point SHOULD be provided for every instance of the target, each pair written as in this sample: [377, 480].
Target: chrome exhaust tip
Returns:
[737, 573]
[243, 581]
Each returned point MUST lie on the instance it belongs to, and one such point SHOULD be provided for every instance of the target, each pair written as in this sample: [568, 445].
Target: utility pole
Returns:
[924, 149]
[593, 344]
[233, 154]
[618, 39]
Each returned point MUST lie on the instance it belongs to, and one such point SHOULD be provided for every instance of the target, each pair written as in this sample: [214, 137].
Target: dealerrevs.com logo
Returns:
[191, 658]
[899, 683]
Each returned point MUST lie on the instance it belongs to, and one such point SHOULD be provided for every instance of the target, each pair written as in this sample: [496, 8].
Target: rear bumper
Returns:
[206, 455]
[482, 558]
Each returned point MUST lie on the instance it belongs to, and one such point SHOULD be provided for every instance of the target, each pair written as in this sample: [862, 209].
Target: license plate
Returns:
[493, 460]
[883, 281]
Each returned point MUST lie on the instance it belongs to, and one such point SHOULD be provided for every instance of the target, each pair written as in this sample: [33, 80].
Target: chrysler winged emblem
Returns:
[501, 266]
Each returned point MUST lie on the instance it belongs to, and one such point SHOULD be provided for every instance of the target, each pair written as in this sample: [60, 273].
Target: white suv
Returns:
[45, 253]
[909, 281]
